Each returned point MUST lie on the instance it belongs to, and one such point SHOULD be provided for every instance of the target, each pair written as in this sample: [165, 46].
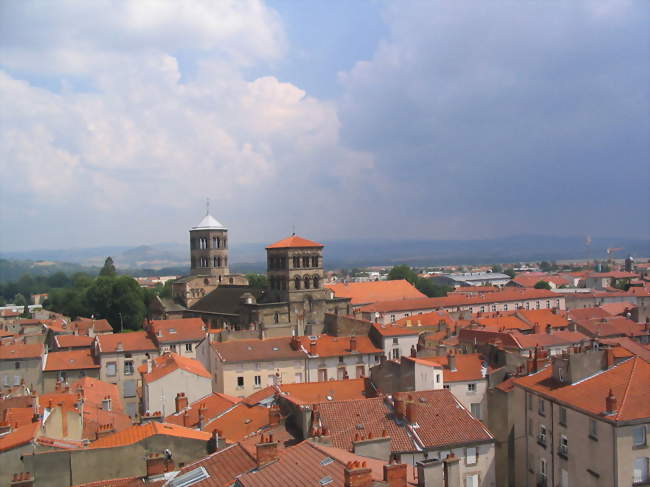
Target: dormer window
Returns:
[172, 330]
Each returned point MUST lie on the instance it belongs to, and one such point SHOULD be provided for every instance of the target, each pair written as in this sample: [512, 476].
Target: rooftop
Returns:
[178, 330]
[239, 422]
[294, 241]
[257, 350]
[21, 351]
[317, 392]
[628, 381]
[73, 341]
[137, 341]
[331, 346]
[373, 291]
[209, 223]
[469, 367]
[138, 433]
[70, 360]
[170, 362]
[212, 405]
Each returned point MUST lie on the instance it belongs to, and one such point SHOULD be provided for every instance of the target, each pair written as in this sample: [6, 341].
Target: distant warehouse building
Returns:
[472, 279]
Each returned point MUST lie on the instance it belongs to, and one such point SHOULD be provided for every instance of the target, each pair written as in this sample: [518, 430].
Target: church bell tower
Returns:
[209, 247]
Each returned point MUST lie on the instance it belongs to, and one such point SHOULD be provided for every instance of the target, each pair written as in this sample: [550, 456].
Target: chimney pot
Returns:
[611, 403]
[353, 343]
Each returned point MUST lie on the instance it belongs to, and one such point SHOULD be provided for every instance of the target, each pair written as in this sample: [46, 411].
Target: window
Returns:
[314, 261]
[341, 361]
[392, 318]
[475, 408]
[5, 380]
[470, 456]
[298, 377]
[340, 373]
[16, 365]
[641, 469]
[188, 347]
[541, 407]
[111, 369]
[128, 367]
[297, 282]
[564, 446]
[537, 304]
[541, 437]
[542, 471]
[240, 381]
[563, 416]
[395, 355]
[129, 388]
[505, 307]
[361, 371]
[639, 436]
[471, 387]
[445, 386]
[258, 381]
[593, 429]
[307, 282]
[322, 375]
[471, 480]
[305, 261]
[395, 341]
[530, 401]
[16, 380]
[316, 282]
[437, 378]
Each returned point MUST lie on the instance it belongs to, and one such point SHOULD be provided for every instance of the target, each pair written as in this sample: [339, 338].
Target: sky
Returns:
[366, 119]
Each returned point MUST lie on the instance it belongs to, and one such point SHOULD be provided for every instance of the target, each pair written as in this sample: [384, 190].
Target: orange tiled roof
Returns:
[70, 360]
[170, 362]
[502, 322]
[468, 367]
[587, 313]
[130, 342]
[214, 405]
[18, 436]
[137, 433]
[331, 346]
[373, 291]
[99, 326]
[316, 392]
[612, 326]
[294, 241]
[18, 416]
[239, 422]
[631, 346]
[259, 396]
[530, 279]
[618, 308]
[433, 318]
[73, 341]
[95, 390]
[555, 339]
[395, 330]
[257, 350]
[505, 295]
[179, 330]
[21, 351]
[628, 381]
[543, 317]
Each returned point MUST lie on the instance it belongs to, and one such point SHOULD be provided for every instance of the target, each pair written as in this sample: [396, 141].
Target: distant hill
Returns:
[173, 258]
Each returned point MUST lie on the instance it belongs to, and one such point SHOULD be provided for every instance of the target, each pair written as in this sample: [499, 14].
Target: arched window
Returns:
[316, 282]
[214, 262]
[276, 318]
[307, 282]
[314, 261]
[218, 261]
[214, 242]
[218, 242]
[297, 282]
[305, 261]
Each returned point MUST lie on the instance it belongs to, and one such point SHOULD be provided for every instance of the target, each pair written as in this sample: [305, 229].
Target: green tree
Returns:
[542, 285]
[497, 268]
[3, 302]
[257, 281]
[545, 266]
[426, 286]
[165, 291]
[20, 300]
[509, 272]
[109, 268]
[403, 272]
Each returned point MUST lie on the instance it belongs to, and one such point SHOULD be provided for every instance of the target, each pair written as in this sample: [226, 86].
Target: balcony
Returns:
[542, 481]
[541, 440]
[563, 451]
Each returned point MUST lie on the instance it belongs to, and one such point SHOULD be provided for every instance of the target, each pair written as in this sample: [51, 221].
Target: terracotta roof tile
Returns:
[18, 436]
[257, 350]
[70, 360]
[223, 466]
[396, 330]
[619, 308]
[17, 416]
[137, 433]
[294, 242]
[433, 318]
[239, 422]
[21, 351]
[628, 381]
[180, 330]
[588, 313]
[95, 390]
[633, 347]
[123, 482]
[170, 362]
[214, 405]
[373, 291]
[331, 346]
[73, 341]
[258, 396]
[316, 392]
[543, 317]
[612, 326]
[128, 342]
[85, 324]
[506, 295]
[556, 339]
[469, 367]
[530, 279]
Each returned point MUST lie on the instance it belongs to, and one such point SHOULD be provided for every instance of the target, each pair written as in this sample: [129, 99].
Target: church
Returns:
[294, 302]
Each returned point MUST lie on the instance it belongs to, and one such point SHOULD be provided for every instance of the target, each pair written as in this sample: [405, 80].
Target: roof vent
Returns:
[275, 349]
[326, 461]
[329, 398]
[172, 330]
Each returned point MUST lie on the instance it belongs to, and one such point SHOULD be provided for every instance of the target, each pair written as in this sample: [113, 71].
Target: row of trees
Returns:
[423, 284]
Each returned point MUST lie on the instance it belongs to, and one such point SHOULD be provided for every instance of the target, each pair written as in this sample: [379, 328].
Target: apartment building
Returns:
[583, 421]
[21, 363]
[119, 356]
[180, 336]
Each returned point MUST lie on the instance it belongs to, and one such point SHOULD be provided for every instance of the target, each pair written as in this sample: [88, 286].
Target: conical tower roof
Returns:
[209, 223]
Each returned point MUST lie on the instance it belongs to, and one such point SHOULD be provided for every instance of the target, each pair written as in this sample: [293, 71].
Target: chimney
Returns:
[414, 352]
[399, 404]
[357, 474]
[104, 430]
[149, 365]
[181, 402]
[353, 343]
[452, 471]
[202, 409]
[267, 450]
[611, 404]
[23, 479]
[158, 464]
[373, 447]
[610, 357]
[430, 472]
[274, 415]
[451, 361]
[572, 325]
[410, 410]
[151, 417]
[395, 474]
[213, 442]
[536, 328]
[313, 347]
[549, 329]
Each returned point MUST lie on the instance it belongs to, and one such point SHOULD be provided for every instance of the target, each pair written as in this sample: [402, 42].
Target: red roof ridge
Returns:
[627, 386]
[294, 241]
